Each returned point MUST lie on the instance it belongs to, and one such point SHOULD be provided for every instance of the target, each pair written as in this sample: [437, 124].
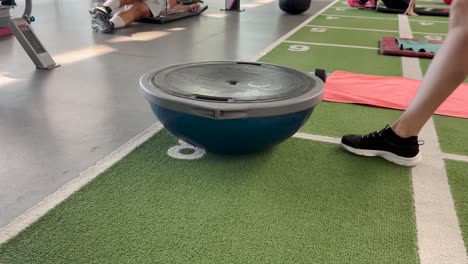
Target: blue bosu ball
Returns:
[232, 107]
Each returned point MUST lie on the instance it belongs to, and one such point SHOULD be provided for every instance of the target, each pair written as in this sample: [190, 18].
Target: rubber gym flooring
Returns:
[305, 201]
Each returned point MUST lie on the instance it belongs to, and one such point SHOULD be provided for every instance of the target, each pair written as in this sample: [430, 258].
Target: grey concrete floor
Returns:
[55, 124]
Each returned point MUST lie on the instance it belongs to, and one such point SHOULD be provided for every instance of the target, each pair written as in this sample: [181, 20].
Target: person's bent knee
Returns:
[141, 10]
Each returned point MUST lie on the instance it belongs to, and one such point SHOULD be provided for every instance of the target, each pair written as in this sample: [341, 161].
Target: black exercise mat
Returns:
[425, 11]
[162, 19]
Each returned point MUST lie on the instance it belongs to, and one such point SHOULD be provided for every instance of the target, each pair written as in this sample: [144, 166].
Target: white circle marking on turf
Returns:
[176, 151]
[298, 48]
[426, 23]
[433, 37]
[320, 30]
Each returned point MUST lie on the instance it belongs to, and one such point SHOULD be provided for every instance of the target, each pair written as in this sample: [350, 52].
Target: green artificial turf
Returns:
[425, 65]
[429, 18]
[452, 134]
[341, 36]
[334, 119]
[438, 37]
[334, 59]
[337, 119]
[429, 27]
[302, 202]
[458, 179]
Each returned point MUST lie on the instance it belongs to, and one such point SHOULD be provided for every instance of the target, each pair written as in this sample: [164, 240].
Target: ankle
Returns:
[401, 132]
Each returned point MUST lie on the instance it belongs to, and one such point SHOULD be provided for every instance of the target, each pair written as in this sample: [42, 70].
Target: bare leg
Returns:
[174, 6]
[187, 8]
[410, 10]
[447, 71]
[134, 12]
[121, 3]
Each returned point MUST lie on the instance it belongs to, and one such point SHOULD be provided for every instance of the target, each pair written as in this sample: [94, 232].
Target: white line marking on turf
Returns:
[358, 17]
[317, 138]
[455, 157]
[374, 30]
[335, 140]
[330, 45]
[40, 209]
[382, 18]
[349, 28]
[438, 231]
[411, 67]
[290, 33]
[430, 33]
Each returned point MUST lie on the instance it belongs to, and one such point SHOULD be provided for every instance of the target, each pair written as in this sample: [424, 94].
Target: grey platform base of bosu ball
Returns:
[232, 107]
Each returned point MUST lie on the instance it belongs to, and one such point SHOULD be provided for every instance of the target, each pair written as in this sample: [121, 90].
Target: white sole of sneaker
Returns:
[409, 162]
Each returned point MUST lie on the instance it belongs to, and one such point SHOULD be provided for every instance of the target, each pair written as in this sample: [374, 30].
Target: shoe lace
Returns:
[375, 134]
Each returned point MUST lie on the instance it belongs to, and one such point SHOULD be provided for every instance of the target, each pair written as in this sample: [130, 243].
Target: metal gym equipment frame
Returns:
[20, 27]
[232, 5]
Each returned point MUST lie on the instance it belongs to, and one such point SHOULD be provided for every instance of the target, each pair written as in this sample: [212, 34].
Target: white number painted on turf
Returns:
[298, 48]
[426, 23]
[433, 37]
[340, 9]
[320, 30]
[176, 151]
[332, 17]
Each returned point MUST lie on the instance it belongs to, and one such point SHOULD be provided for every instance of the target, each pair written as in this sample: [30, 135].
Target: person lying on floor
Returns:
[109, 16]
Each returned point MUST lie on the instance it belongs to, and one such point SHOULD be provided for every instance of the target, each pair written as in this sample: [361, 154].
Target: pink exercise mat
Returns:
[389, 46]
[4, 31]
[388, 92]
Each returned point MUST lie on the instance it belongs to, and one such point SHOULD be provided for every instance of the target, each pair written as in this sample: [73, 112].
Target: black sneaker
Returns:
[386, 144]
[101, 9]
[100, 19]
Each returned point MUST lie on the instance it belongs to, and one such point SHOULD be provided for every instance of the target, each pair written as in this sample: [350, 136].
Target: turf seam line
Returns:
[330, 45]
[290, 33]
[382, 18]
[40, 209]
[437, 229]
